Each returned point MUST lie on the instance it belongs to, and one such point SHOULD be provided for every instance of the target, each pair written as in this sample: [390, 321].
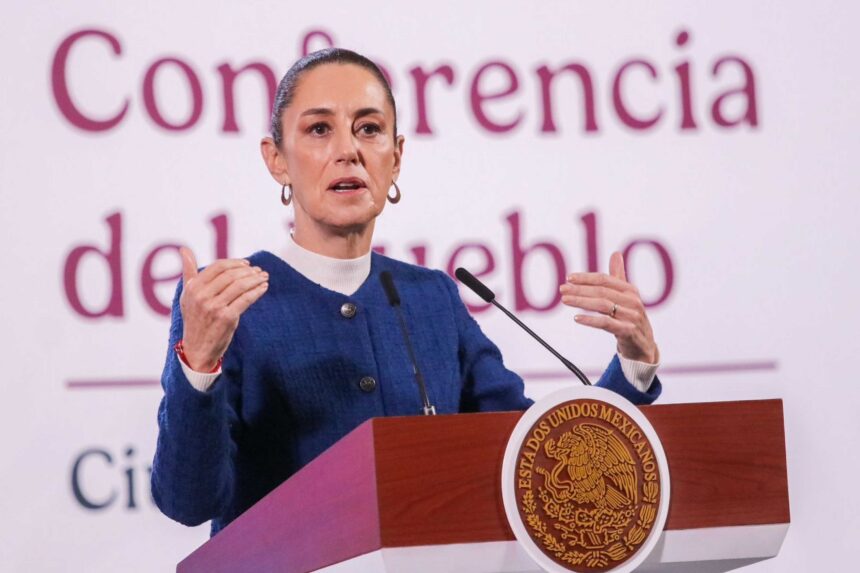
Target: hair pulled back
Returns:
[287, 87]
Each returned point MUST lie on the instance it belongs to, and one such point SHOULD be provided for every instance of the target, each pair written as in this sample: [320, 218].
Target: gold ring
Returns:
[614, 309]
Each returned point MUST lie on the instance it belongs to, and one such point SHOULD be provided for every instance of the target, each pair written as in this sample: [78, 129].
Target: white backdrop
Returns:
[756, 219]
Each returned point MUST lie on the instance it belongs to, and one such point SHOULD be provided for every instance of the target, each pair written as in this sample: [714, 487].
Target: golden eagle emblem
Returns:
[593, 468]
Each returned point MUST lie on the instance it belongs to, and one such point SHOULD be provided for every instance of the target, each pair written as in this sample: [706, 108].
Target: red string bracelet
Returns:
[180, 352]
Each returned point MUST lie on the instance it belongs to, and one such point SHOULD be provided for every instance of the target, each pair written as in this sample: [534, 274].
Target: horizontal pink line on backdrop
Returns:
[713, 368]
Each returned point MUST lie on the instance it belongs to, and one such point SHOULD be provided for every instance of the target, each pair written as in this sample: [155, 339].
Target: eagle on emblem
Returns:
[593, 467]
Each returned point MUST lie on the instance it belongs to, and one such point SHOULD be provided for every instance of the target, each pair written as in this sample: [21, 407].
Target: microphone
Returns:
[485, 293]
[394, 300]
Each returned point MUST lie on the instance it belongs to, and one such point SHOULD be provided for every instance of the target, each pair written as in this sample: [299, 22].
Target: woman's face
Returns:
[338, 149]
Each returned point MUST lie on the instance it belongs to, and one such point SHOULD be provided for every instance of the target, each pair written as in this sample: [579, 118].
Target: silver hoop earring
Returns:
[285, 199]
[396, 198]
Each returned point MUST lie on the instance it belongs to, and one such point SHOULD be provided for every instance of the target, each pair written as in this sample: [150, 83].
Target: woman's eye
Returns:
[370, 129]
[318, 129]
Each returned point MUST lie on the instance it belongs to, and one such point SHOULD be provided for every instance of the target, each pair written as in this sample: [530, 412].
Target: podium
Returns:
[422, 493]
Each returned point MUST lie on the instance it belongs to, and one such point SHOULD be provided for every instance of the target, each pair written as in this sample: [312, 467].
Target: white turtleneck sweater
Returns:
[346, 275]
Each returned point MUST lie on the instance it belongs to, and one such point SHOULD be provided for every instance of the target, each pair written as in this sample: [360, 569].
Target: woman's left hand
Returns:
[620, 309]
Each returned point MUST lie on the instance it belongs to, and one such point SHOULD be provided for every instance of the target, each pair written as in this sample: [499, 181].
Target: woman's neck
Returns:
[340, 275]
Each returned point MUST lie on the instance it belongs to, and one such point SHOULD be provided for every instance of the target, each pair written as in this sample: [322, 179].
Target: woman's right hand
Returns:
[212, 303]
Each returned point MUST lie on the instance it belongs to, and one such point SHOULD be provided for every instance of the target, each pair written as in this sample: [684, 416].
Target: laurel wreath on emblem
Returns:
[592, 494]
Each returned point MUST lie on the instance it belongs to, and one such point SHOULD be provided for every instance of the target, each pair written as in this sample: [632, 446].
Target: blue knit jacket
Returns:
[290, 384]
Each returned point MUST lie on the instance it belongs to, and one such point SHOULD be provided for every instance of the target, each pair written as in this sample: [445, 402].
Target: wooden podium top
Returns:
[420, 480]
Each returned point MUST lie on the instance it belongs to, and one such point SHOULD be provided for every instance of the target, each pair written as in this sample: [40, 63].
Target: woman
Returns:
[318, 349]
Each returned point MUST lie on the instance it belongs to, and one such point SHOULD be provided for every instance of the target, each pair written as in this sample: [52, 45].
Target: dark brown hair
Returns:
[287, 88]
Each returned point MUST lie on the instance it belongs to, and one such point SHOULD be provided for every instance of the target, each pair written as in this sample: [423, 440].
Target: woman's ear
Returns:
[274, 160]
[398, 156]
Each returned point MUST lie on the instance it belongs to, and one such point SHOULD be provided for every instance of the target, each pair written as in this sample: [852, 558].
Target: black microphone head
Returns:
[390, 290]
[470, 281]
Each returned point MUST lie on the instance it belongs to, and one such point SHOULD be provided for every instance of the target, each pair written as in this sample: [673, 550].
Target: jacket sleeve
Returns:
[613, 379]
[193, 469]
[489, 386]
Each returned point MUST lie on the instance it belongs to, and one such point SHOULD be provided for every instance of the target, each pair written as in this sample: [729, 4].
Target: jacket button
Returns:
[347, 310]
[367, 384]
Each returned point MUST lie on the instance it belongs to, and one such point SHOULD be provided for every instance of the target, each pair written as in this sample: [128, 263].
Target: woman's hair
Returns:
[287, 88]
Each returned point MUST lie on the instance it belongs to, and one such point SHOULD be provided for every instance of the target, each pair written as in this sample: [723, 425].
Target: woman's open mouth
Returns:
[347, 185]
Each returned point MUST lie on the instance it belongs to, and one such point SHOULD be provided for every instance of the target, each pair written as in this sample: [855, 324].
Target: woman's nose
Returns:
[346, 150]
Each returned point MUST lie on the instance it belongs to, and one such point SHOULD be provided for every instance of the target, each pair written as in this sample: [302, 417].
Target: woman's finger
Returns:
[217, 285]
[248, 298]
[600, 305]
[208, 274]
[189, 265]
[616, 266]
[600, 279]
[612, 325]
[605, 307]
[239, 287]
[627, 299]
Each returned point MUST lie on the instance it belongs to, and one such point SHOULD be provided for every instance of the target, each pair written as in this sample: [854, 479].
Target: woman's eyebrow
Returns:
[317, 111]
[367, 111]
[327, 111]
